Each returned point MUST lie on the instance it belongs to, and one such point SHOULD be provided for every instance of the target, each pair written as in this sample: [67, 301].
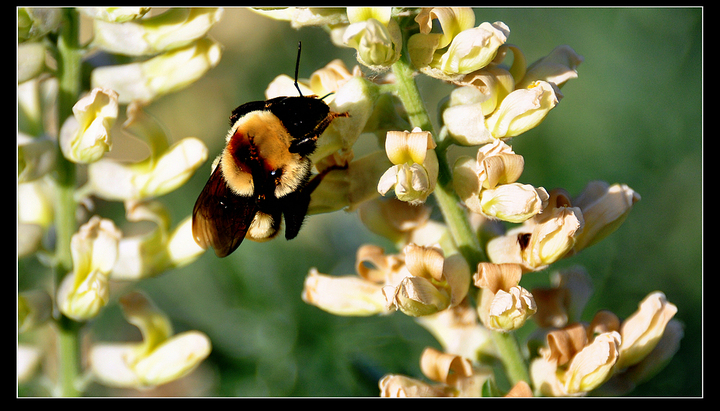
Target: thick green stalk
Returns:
[511, 357]
[69, 76]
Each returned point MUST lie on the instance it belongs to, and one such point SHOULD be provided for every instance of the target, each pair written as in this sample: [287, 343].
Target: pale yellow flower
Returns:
[434, 282]
[642, 330]
[542, 240]
[344, 295]
[403, 223]
[160, 358]
[504, 305]
[85, 137]
[523, 109]
[30, 60]
[414, 174]
[85, 291]
[375, 36]
[460, 49]
[487, 184]
[174, 28]
[165, 73]
[573, 362]
[35, 22]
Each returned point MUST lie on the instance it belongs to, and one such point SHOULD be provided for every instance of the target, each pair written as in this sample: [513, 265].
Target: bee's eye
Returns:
[275, 174]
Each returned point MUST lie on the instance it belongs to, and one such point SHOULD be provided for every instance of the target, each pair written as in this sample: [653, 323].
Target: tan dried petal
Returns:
[496, 277]
[562, 345]
[445, 368]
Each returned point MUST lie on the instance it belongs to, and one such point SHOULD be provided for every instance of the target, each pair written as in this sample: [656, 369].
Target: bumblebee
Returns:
[264, 173]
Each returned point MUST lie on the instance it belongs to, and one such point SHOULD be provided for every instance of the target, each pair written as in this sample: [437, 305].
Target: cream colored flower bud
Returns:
[176, 27]
[115, 14]
[166, 73]
[593, 365]
[434, 282]
[513, 202]
[161, 357]
[85, 137]
[604, 209]
[346, 295]
[523, 109]
[642, 330]
[85, 291]
[557, 67]
[165, 170]
[416, 166]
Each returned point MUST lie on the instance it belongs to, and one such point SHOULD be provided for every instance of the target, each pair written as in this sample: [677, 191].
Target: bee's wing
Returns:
[220, 217]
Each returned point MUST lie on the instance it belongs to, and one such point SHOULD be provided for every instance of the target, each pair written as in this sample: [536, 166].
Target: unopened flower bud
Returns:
[523, 109]
[85, 290]
[85, 137]
[642, 330]
[604, 208]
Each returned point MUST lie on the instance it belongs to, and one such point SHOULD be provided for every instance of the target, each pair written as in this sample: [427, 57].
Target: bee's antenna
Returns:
[297, 66]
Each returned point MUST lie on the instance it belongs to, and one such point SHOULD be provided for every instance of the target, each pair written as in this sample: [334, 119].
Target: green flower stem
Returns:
[511, 357]
[69, 76]
[448, 201]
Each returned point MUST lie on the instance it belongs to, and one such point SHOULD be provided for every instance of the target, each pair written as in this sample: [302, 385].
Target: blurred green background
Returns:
[633, 116]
